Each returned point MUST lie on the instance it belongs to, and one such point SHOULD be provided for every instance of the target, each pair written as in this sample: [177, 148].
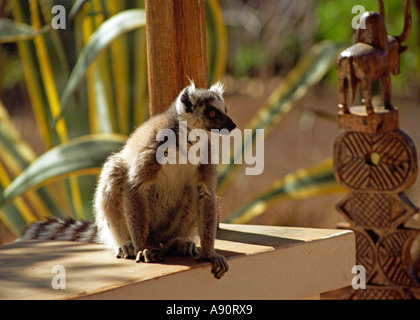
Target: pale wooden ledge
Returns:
[265, 263]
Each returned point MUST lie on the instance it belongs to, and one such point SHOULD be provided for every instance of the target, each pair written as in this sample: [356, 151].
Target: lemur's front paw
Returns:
[150, 255]
[183, 248]
[220, 265]
[126, 251]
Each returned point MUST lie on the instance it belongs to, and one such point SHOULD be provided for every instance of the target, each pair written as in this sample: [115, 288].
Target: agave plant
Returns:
[88, 91]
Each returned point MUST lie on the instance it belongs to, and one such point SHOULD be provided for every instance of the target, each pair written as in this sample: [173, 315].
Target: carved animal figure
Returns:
[144, 209]
[374, 56]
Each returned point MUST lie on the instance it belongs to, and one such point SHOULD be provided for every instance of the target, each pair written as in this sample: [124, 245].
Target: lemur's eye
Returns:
[212, 114]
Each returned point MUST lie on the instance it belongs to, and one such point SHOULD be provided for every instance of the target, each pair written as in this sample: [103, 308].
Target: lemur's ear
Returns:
[219, 88]
[186, 99]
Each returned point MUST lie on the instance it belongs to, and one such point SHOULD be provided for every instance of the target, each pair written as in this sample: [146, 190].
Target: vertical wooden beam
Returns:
[176, 49]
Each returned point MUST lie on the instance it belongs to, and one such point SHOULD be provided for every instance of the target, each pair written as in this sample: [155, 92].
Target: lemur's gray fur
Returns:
[144, 209]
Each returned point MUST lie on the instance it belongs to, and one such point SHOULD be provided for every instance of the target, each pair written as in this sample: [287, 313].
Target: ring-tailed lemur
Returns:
[144, 209]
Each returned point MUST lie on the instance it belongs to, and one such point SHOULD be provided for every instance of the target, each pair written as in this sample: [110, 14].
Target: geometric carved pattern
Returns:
[377, 162]
[394, 257]
[390, 256]
[365, 253]
[378, 293]
[373, 206]
[375, 209]
[377, 167]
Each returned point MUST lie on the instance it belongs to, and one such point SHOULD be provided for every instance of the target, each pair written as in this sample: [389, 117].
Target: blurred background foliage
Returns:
[269, 53]
[105, 101]
[267, 37]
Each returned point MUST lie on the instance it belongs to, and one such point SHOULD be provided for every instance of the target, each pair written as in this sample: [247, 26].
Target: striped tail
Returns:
[66, 229]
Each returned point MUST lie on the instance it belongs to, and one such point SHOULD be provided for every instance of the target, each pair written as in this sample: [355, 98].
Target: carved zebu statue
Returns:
[375, 55]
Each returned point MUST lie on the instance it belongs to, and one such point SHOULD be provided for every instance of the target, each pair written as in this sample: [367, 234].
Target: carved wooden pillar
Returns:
[377, 162]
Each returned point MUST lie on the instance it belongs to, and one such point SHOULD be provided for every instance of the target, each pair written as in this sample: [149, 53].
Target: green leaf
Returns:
[12, 218]
[15, 155]
[79, 156]
[12, 31]
[310, 70]
[76, 8]
[217, 42]
[304, 183]
[119, 24]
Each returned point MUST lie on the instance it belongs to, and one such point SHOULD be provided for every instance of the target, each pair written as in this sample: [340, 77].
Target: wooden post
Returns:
[176, 49]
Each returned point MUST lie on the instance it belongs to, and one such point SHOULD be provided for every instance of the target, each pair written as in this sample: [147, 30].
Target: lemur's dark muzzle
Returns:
[230, 125]
[224, 124]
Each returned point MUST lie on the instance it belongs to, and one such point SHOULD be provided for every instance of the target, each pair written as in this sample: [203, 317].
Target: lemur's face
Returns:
[207, 106]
